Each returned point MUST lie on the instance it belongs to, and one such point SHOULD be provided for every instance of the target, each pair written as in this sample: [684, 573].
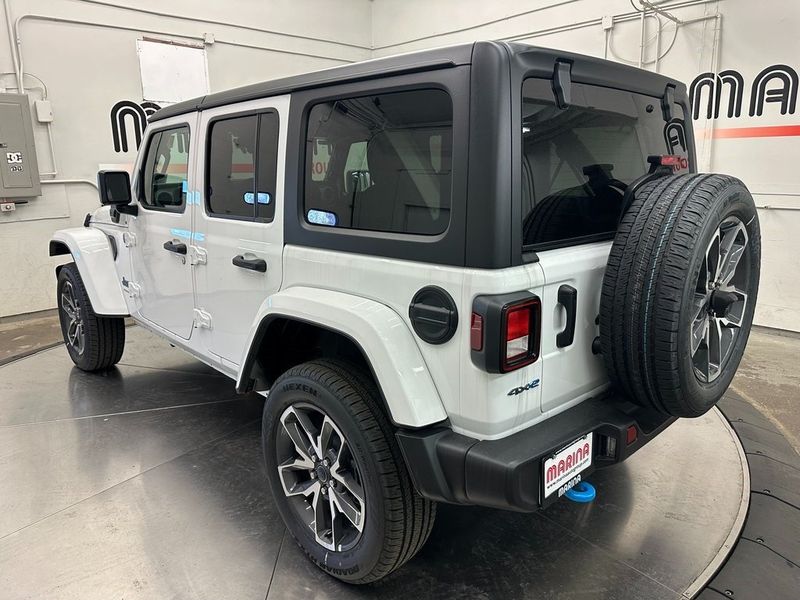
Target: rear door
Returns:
[238, 239]
[577, 163]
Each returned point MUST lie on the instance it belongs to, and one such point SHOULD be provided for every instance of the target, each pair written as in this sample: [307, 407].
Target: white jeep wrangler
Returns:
[470, 275]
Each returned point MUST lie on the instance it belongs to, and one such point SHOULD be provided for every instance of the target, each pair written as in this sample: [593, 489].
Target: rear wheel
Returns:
[679, 292]
[94, 342]
[337, 475]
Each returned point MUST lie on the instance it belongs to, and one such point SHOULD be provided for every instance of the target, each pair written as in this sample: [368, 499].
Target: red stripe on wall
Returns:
[751, 132]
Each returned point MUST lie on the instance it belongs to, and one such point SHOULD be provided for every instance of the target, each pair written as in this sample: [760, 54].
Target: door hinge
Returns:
[202, 319]
[132, 289]
[129, 239]
[197, 255]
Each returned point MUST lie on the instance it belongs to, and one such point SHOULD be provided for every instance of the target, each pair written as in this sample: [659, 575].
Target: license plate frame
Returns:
[577, 458]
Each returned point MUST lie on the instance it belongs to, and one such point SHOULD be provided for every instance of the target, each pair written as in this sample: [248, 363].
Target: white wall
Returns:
[751, 36]
[88, 68]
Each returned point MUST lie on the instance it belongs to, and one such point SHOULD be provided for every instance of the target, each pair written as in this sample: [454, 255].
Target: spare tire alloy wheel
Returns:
[721, 297]
[320, 476]
[679, 292]
[71, 318]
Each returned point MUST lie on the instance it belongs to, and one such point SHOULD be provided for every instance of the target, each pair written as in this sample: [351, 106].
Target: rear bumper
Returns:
[507, 473]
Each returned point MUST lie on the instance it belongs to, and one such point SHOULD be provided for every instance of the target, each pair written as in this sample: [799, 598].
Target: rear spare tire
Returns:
[679, 292]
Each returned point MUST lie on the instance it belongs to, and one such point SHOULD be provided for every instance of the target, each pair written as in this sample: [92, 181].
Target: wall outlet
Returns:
[44, 111]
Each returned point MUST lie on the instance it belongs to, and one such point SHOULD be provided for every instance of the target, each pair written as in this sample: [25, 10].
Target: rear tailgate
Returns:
[580, 152]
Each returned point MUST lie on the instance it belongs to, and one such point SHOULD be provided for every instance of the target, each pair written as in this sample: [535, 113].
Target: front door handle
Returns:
[568, 298]
[179, 248]
[254, 264]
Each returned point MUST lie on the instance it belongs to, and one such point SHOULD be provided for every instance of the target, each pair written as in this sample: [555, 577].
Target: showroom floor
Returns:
[768, 376]
[147, 482]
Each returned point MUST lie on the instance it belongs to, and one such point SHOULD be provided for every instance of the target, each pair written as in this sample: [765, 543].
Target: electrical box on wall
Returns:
[19, 171]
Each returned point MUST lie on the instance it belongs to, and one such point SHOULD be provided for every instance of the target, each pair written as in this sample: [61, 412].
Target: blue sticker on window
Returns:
[184, 186]
[321, 217]
[263, 198]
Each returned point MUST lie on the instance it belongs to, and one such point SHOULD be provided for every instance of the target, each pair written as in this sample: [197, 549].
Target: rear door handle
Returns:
[254, 264]
[568, 298]
[179, 248]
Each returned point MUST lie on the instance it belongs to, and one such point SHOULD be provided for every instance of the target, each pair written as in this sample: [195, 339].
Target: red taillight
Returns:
[476, 332]
[518, 329]
[520, 338]
[631, 435]
[670, 160]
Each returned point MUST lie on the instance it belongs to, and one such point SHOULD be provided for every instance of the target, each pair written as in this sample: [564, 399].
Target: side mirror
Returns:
[115, 191]
[115, 187]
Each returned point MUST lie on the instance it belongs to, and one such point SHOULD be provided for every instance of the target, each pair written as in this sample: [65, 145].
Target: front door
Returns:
[162, 277]
[239, 229]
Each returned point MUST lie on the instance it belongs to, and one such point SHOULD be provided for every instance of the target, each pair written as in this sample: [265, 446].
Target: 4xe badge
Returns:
[518, 390]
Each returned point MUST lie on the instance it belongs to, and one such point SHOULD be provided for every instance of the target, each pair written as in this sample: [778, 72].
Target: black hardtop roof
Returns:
[424, 60]
[595, 70]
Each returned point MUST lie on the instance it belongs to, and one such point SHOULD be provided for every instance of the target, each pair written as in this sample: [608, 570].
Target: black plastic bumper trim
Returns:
[506, 473]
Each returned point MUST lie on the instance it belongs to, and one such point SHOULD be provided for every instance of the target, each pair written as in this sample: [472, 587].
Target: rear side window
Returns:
[166, 169]
[231, 169]
[381, 162]
[242, 166]
[578, 161]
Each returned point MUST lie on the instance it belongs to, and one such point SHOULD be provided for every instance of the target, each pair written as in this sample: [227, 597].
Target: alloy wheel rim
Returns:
[72, 310]
[720, 299]
[320, 476]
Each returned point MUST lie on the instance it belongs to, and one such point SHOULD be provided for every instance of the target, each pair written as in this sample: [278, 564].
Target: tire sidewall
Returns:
[734, 201]
[67, 274]
[359, 560]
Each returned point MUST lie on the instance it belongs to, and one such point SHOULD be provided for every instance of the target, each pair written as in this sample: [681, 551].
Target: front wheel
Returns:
[94, 342]
[337, 475]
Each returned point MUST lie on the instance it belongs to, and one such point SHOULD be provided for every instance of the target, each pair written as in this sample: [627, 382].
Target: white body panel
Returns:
[477, 403]
[92, 254]
[164, 279]
[572, 373]
[230, 294]
[367, 299]
[387, 341]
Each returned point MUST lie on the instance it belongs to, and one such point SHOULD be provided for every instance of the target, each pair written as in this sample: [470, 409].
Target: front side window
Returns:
[577, 162]
[166, 170]
[243, 166]
[381, 162]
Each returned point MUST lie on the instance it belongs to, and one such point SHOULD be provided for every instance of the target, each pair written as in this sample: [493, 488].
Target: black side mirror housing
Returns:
[115, 191]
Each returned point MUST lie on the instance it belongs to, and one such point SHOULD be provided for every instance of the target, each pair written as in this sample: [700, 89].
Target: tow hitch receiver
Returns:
[582, 492]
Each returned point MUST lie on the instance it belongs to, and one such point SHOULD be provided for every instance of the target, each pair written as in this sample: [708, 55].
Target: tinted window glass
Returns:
[166, 169]
[578, 161]
[267, 174]
[231, 174]
[381, 162]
